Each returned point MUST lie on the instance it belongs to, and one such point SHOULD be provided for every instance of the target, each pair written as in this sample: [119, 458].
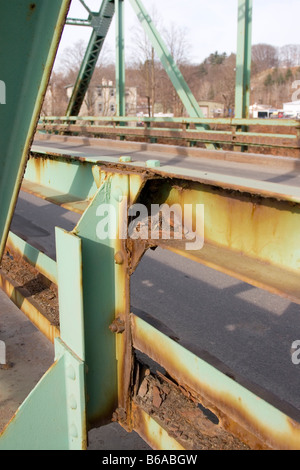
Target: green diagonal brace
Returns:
[101, 23]
[53, 415]
[189, 101]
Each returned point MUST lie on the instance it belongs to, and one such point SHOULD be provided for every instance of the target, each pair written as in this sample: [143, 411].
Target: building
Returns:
[261, 111]
[292, 109]
[101, 100]
[211, 109]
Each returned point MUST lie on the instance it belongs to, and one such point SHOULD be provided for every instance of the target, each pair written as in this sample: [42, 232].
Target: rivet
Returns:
[118, 194]
[73, 402]
[119, 258]
[117, 326]
[153, 163]
[73, 431]
[71, 374]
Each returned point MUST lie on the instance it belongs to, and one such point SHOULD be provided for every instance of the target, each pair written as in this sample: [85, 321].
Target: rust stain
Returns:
[28, 308]
[152, 433]
[232, 412]
[32, 7]
[180, 417]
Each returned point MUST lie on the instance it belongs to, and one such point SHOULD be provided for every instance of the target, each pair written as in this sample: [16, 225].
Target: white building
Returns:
[292, 109]
[259, 111]
[101, 100]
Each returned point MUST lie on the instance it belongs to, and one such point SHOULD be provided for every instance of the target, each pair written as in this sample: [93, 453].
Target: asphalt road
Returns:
[248, 329]
[267, 173]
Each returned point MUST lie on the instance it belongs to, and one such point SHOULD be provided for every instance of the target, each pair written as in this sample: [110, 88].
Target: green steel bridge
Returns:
[86, 164]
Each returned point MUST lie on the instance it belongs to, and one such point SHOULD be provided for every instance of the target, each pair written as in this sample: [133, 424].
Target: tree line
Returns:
[274, 69]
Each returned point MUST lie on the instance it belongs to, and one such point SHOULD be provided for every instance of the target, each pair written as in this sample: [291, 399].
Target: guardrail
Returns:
[98, 377]
[218, 131]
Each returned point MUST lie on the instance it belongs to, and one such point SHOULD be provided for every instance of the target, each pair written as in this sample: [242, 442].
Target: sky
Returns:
[210, 25]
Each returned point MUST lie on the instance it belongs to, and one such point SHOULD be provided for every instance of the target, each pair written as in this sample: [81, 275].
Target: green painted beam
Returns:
[271, 426]
[69, 267]
[36, 258]
[243, 59]
[120, 58]
[78, 22]
[30, 33]
[53, 415]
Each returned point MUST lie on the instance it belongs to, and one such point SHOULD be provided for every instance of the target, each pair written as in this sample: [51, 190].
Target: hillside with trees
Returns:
[273, 72]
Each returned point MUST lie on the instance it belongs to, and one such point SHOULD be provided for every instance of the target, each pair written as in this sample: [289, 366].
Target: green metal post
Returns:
[104, 296]
[243, 59]
[120, 58]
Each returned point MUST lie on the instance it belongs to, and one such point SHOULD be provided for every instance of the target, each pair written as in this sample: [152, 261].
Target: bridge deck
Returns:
[263, 173]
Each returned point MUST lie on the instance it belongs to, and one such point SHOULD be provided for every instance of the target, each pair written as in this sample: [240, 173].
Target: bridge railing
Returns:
[263, 133]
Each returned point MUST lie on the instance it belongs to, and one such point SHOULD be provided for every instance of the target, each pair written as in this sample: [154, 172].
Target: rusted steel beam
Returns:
[32, 310]
[223, 137]
[285, 163]
[23, 250]
[175, 414]
[152, 432]
[240, 214]
[251, 419]
[253, 237]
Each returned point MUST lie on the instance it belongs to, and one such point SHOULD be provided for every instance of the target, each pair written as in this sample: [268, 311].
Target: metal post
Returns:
[120, 58]
[243, 59]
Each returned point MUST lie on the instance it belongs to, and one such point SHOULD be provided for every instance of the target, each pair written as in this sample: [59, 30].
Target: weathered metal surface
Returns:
[40, 22]
[43, 264]
[220, 137]
[66, 182]
[69, 263]
[250, 233]
[234, 122]
[269, 211]
[53, 415]
[24, 301]
[274, 162]
[103, 279]
[241, 412]
[243, 59]
[194, 428]
[250, 237]
[152, 433]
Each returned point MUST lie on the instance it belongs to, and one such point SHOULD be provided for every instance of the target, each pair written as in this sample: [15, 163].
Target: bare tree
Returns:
[289, 55]
[68, 65]
[157, 86]
[145, 60]
[264, 56]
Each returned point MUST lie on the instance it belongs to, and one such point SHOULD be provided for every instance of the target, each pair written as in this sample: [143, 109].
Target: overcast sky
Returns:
[210, 25]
